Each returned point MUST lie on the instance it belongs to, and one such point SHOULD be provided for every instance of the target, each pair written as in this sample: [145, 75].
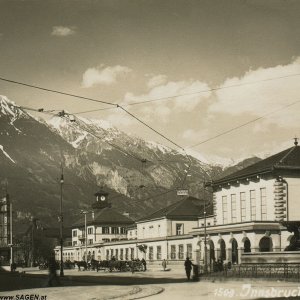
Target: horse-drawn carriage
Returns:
[111, 265]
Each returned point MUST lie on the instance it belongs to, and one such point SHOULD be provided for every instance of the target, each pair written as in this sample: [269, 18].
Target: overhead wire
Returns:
[244, 124]
[111, 144]
[164, 98]
[56, 91]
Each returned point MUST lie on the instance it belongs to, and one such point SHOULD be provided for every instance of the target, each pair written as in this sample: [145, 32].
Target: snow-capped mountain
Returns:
[94, 155]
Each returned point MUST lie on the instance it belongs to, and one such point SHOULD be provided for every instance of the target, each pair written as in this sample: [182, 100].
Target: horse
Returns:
[81, 264]
[95, 264]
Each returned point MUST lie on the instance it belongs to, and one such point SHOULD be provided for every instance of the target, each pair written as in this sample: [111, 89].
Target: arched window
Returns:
[234, 253]
[222, 249]
[265, 244]
[247, 246]
[211, 250]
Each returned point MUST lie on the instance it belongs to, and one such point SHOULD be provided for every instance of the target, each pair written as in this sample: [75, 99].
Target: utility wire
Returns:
[111, 144]
[56, 91]
[191, 93]
[144, 101]
[243, 125]
[151, 128]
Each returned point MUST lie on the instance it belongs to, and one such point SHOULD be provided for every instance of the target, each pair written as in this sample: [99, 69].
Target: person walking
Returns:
[164, 264]
[52, 271]
[144, 264]
[188, 268]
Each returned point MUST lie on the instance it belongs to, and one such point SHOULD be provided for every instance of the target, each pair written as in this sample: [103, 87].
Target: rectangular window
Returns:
[233, 208]
[263, 201]
[252, 205]
[74, 233]
[180, 252]
[117, 253]
[243, 206]
[90, 230]
[158, 252]
[173, 252]
[90, 241]
[111, 253]
[123, 230]
[107, 254]
[189, 250]
[105, 230]
[132, 253]
[126, 254]
[115, 230]
[224, 209]
[179, 229]
[121, 254]
[75, 243]
[150, 253]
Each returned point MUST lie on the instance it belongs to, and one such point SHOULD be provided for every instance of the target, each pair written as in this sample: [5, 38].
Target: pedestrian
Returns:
[144, 264]
[52, 271]
[164, 264]
[188, 268]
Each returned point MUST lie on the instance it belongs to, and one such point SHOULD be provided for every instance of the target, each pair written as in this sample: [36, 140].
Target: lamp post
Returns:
[11, 231]
[84, 212]
[205, 238]
[61, 223]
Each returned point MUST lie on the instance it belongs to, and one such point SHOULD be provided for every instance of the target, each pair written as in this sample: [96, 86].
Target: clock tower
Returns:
[101, 200]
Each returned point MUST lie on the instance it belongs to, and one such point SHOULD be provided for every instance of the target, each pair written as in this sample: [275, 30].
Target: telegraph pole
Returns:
[205, 239]
[10, 229]
[61, 222]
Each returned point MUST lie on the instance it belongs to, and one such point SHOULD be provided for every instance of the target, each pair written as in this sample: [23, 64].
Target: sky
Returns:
[238, 60]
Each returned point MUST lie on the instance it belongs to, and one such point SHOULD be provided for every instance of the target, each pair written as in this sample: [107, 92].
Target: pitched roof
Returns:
[287, 159]
[104, 216]
[187, 208]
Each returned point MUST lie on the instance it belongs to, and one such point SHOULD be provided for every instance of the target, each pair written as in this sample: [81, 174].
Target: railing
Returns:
[269, 271]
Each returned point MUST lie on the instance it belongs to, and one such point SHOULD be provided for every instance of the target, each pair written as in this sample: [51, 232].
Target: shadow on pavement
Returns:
[17, 281]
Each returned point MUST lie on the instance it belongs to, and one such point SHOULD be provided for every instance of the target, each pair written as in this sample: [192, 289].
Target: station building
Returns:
[245, 217]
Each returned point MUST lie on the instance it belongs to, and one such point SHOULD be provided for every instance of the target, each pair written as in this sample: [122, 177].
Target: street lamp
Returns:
[85, 212]
[205, 238]
[204, 214]
[11, 231]
[61, 223]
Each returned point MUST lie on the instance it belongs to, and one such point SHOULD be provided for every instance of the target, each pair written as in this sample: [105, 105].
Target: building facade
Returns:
[246, 214]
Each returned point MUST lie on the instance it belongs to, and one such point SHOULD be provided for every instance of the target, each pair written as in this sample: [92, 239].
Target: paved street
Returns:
[154, 284]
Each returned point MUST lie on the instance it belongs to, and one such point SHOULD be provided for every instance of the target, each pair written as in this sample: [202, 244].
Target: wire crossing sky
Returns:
[192, 70]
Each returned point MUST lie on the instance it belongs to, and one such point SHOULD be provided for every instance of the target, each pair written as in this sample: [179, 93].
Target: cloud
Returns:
[264, 96]
[156, 80]
[170, 89]
[191, 135]
[101, 75]
[63, 31]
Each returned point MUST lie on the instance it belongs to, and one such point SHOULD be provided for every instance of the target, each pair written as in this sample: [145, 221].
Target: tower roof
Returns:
[105, 216]
[288, 159]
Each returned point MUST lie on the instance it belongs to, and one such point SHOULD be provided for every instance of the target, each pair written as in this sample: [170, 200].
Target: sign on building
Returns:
[182, 192]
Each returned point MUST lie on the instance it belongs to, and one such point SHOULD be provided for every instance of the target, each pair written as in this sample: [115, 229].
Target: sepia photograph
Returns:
[149, 149]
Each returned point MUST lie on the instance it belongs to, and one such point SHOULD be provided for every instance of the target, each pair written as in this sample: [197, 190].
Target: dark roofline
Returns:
[233, 178]
[276, 163]
[167, 213]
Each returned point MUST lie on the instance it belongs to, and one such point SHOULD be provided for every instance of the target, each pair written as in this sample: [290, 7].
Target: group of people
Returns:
[53, 278]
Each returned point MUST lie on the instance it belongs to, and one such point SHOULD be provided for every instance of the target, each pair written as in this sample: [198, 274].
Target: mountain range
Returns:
[140, 176]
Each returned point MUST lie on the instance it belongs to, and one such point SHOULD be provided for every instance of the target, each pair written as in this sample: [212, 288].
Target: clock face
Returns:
[102, 198]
